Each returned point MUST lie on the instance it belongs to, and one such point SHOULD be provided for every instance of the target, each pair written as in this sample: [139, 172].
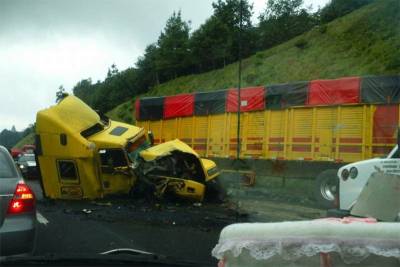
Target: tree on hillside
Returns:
[210, 45]
[283, 20]
[84, 89]
[112, 71]
[60, 94]
[338, 8]
[173, 44]
[216, 42]
[9, 138]
[116, 88]
[147, 69]
[228, 12]
[282, 8]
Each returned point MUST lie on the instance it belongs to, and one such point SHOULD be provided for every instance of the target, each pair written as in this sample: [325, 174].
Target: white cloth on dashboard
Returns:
[354, 240]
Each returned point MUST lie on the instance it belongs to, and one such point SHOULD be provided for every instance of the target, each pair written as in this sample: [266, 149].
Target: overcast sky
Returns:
[48, 43]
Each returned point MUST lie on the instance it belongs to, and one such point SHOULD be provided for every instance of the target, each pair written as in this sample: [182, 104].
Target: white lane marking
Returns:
[41, 218]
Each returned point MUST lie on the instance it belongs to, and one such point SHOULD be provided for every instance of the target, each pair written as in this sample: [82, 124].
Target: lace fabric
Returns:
[351, 252]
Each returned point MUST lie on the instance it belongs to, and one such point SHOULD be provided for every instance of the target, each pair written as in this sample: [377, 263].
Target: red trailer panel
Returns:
[251, 99]
[332, 92]
[178, 106]
[386, 119]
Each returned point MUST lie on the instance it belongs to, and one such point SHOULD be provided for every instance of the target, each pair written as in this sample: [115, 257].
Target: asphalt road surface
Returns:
[183, 231]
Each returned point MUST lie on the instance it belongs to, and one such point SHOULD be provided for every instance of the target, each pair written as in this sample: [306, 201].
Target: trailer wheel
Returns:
[326, 188]
[215, 191]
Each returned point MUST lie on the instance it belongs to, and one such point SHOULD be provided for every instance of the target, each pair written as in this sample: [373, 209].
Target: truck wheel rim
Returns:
[328, 189]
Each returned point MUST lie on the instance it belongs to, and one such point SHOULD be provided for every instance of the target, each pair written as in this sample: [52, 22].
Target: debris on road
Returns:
[107, 204]
[87, 211]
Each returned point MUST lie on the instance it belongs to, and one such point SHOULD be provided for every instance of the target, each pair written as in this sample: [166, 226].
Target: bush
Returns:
[251, 78]
[260, 55]
[258, 62]
[301, 43]
[393, 64]
[322, 28]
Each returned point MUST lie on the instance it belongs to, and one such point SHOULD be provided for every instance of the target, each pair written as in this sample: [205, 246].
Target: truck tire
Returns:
[326, 189]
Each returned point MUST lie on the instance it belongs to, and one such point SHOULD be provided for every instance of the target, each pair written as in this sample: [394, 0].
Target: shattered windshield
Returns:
[112, 157]
[212, 133]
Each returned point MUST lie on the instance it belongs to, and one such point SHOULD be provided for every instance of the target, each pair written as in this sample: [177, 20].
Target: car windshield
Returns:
[213, 132]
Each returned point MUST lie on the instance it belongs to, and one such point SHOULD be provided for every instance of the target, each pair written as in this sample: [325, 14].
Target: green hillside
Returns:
[27, 140]
[364, 42]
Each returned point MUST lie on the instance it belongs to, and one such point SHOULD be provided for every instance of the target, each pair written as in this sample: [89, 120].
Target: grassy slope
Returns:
[29, 139]
[365, 42]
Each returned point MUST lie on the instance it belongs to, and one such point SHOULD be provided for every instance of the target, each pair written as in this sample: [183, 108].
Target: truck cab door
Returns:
[115, 173]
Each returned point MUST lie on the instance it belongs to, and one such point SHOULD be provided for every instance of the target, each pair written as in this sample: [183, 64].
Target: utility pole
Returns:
[239, 78]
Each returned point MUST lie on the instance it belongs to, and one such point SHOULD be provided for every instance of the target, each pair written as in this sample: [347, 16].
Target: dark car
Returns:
[27, 165]
[17, 210]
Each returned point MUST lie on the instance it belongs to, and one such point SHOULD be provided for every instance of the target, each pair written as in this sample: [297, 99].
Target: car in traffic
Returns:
[17, 210]
[27, 165]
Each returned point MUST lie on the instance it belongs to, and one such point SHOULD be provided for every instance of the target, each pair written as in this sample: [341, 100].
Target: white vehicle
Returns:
[354, 176]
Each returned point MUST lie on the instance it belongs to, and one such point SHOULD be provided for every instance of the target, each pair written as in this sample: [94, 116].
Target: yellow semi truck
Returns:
[85, 155]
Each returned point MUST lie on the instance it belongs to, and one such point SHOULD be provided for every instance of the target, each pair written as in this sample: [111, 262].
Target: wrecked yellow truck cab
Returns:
[184, 163]
[84, 155]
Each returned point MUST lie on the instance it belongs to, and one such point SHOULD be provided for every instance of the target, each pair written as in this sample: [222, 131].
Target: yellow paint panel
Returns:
[255, 124]
[302, 122]
[351, 121]
[156, 128]
[169, 131]
[140, 123]
[277, 126]
[200, 134]
[301, 133]
[254, 134]
[325, 133]
[276, 133]
[350, 133]
[232, 147]
[185, 130]
[325, 130]
[217, 134]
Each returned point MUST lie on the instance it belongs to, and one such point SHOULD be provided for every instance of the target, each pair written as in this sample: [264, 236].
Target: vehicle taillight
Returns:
[23, 200]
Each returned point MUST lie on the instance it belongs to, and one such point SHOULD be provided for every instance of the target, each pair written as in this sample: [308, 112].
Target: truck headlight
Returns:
[353, 172]
[345, 174]
[21, 166]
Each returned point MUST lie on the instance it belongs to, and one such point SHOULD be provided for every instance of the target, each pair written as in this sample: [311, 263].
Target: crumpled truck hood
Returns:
[165, 149]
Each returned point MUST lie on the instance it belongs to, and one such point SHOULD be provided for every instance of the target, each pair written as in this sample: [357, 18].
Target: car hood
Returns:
[165, 149]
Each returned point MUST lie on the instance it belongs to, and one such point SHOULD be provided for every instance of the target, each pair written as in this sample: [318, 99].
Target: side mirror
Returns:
[151, 137]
